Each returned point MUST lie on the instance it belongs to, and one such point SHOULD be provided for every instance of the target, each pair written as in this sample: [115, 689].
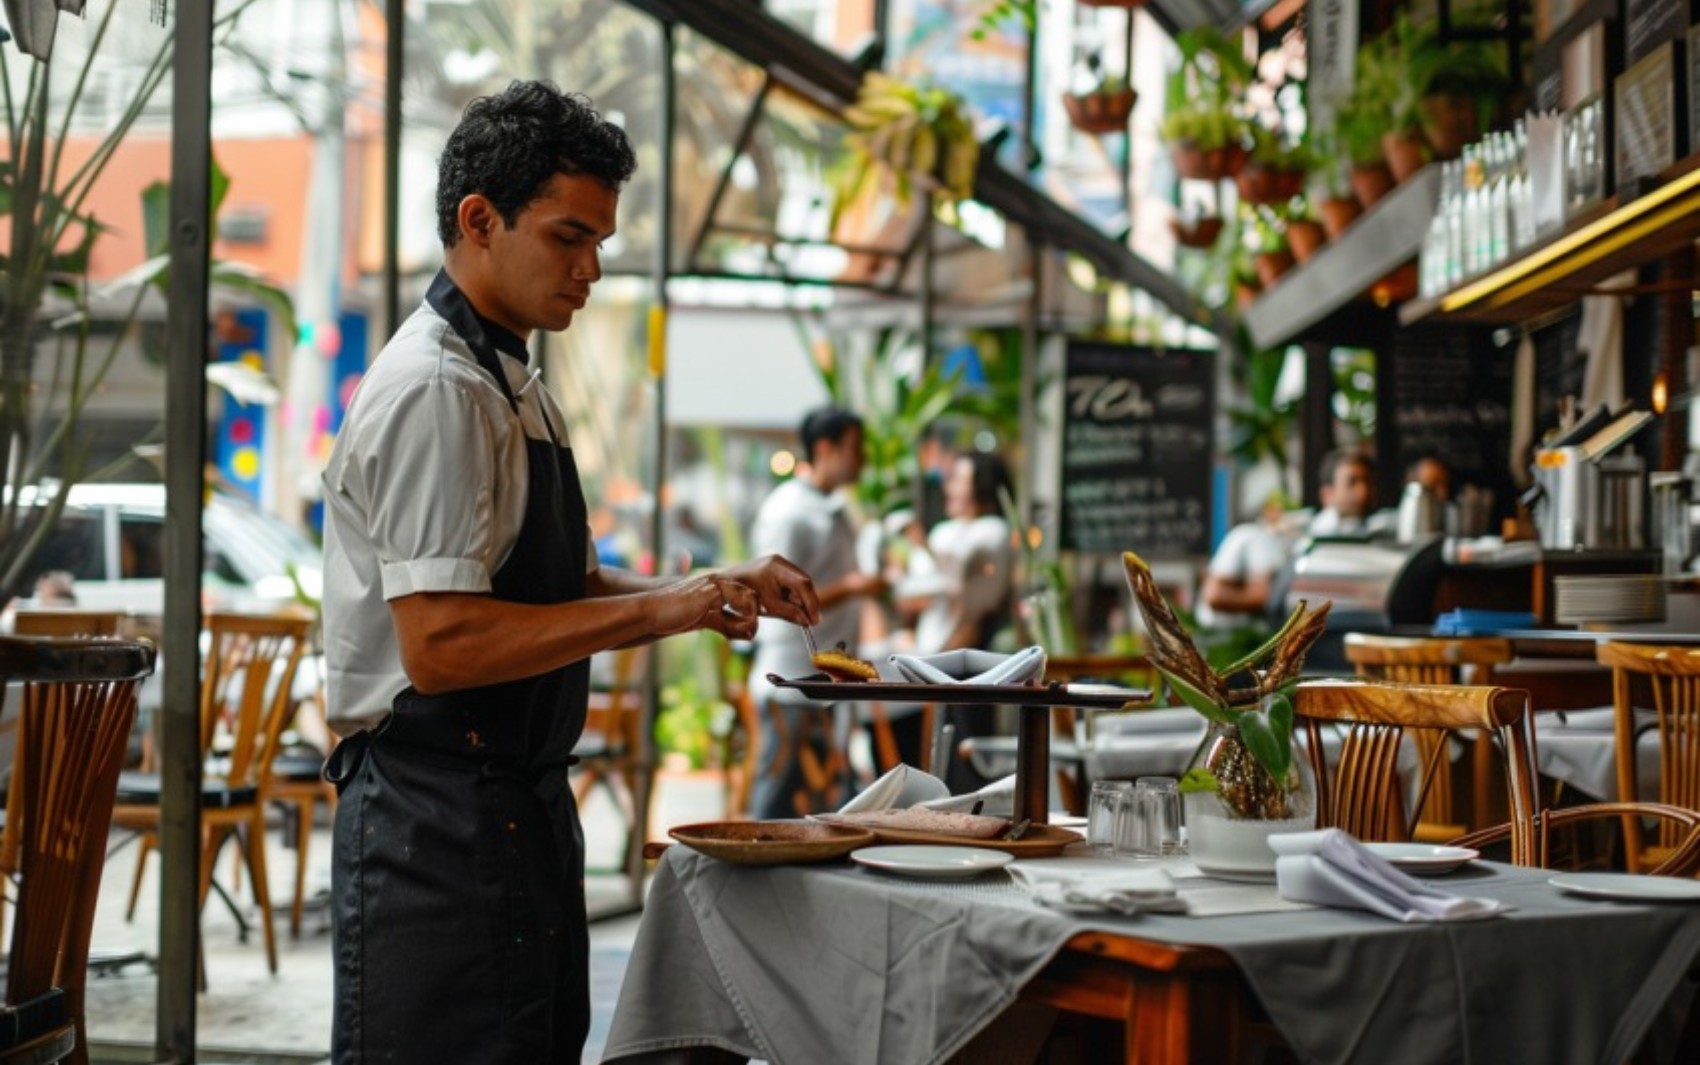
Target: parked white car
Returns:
[111, 538]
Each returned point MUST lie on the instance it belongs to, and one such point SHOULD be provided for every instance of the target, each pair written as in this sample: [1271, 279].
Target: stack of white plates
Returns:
[1615, 597]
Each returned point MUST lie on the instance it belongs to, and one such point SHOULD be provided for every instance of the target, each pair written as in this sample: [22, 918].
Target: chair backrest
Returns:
[1363, 795]
[614, 714]
[1673, 673]
[67, 622]
[247, 684]
[79, 700]
[1429, 660]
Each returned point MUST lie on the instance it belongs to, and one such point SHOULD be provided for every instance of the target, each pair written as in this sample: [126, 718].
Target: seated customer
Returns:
[1348, 495]
[1238, 581]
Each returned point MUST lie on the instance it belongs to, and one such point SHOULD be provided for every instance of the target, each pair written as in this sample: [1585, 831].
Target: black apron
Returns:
[458, 877]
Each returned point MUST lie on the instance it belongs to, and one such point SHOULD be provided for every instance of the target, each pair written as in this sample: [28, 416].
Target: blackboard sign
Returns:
[1446, 392]
[1138, 429]
[1650, 23]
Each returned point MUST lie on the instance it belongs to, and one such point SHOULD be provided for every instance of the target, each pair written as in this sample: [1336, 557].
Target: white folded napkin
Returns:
[1330, 868]
[969, 666]
[996, 799]
[1085, 885]
[902, 787]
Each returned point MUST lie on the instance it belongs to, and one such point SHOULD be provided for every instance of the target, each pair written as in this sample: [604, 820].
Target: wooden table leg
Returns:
[1033, 765]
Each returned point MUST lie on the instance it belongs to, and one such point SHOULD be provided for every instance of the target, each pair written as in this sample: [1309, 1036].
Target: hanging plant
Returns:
[1105, 109]
[905, 132]
[1202, 123]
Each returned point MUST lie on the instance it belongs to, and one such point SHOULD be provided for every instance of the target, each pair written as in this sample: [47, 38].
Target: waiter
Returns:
[462, 602]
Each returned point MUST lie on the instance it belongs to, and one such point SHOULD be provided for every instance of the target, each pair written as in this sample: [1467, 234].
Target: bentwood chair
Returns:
[1363, 794]
[295, 781]
[1438, 660]
[246, 699]
[1673, 675]
[607, 750]
[78, 704]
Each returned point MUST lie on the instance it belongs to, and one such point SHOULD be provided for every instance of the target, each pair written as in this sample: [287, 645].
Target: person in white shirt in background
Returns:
[805, 518]
[1347, 493]
[976, 560]
[1238, 581]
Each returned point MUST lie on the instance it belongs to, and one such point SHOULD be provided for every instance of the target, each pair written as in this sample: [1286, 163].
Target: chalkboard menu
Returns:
[1650, 23]
[1446, 392]
[1138, 429]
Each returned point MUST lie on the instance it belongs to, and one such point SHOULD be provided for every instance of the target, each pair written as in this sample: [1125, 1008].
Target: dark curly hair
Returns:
[510, 145]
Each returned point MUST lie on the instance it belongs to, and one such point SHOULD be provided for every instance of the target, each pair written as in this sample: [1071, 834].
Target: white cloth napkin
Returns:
[902, 787]
[996, 799]
[969, 666]
[1085, 885]
[1330, 868]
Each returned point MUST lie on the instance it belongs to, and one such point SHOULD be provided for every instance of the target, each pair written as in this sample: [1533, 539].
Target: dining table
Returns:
[836, 962]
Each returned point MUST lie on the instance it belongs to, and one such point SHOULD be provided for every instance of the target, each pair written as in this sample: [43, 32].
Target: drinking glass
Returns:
[1102, 811]
[1150, 823]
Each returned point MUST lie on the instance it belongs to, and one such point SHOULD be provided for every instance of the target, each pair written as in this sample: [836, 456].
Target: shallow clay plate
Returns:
[771, 842]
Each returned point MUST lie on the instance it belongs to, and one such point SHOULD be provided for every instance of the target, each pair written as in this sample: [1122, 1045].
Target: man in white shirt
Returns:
[1347, 494]
[462, 603]
[1238, 581]
[804, 520]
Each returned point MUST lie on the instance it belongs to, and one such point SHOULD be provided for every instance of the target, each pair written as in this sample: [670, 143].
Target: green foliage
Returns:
[1260, 427]
[1197, 780]
[1268, 734]
[1203, 94]
[904, 131]
[997, 12]
[693, 720]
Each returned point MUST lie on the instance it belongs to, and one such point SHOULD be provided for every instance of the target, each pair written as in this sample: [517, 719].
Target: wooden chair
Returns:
[1673, 674]
[60, 623]
[79, 701]
[607, 749]
[295, 780]
[1439, 660]
[1363, 793]
[1682, 859]
[262, 652]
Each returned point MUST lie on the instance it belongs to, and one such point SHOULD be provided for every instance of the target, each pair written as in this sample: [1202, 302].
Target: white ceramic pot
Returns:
[1230, 847]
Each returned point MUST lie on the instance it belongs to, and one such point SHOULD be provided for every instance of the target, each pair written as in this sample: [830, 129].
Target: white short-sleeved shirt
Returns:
[954, 543]
[425, 491]
[1251, 549]
[811, 528]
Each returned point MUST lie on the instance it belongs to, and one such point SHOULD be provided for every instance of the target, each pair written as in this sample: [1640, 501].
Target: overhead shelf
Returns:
[1382, 239]
[1573, 264]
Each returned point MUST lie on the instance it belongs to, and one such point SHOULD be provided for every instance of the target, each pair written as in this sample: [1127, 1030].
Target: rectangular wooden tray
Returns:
[823, 688]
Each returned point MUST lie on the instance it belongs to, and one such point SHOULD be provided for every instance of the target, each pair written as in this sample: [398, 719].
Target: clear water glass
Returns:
[1102, 811]
[1150, 821]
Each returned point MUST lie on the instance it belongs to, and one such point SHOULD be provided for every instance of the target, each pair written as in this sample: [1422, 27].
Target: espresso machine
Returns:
[1587, 496]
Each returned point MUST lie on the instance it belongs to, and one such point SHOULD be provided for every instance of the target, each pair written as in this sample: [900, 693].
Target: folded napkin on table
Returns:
[973, 667]
[1330, 868]
[1085, 885]
[996, 799]
[903, 787]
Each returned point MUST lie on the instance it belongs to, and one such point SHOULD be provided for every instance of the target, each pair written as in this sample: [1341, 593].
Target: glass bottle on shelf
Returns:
[1472, 213]
[1499, 208]
[1454, 262]
[1523, 236]
[1431, 271]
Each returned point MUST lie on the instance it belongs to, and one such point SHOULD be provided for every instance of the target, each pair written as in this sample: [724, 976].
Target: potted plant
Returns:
[1272, 257]
[1304, 234]
[1245, 784]
[1200, 232]
[1331, 192]
[1275, 171]
[1202, 125]
[906, 132]
[1456, 83]
[1105, 108]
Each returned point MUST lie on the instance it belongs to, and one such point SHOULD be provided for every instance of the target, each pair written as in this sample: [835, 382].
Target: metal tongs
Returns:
[808, 630]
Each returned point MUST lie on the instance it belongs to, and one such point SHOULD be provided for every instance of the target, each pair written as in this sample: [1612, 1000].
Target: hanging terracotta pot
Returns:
[1449, 123]
[1260, 183]
[1406, 153]
[1199, 233]
[1245, 294]
[1271, 265]
[1206, 164]
[1337, 213]
[1304, 237]
[1371, 183]
[1100, 112]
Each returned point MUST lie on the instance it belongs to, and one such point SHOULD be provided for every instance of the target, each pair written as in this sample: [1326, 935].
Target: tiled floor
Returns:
[249, 1015]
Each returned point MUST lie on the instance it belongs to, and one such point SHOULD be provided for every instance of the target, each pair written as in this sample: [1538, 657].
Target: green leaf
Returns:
[1260, 741]
[1199, 701]
[1198, 780]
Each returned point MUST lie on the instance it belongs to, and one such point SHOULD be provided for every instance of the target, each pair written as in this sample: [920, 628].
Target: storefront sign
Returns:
[1138, 430]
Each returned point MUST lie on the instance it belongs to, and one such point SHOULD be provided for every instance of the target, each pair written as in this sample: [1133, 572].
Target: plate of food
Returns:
[771, 842]
[1423, 858]
[944, 828]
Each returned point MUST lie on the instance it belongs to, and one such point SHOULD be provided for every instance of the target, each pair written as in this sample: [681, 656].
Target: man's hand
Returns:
[707, 601]
[781, 589]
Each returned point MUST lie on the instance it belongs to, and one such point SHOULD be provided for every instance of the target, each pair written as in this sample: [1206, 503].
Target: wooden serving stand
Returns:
[1033, 734]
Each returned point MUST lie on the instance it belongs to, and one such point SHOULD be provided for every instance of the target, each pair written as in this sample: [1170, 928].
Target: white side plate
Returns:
[1423, 857]
[1628, 886]
[932, 863]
